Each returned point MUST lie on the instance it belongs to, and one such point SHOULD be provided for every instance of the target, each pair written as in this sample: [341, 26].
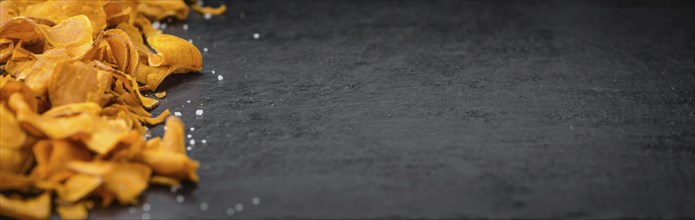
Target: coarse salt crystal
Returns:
[177, 113]
[189, 136]
[220, 77]
[239, 207]
[185, 27]
[230, 211]
[256, 201]
[188, 101]
[204, 141]
[179, 198]
[190, 40]
[205, 49]
[192, 142]
[155, 25]
[213, 71]
[199, 112]
[163, 26]
[207, 16]
[203, 206]
[256, 35]
[192, 129]
[146, 207]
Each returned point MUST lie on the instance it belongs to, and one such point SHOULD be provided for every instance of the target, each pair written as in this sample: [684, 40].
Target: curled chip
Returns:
[72, 113]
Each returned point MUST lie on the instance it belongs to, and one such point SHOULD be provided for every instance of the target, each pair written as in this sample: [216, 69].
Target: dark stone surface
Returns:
[438, 109]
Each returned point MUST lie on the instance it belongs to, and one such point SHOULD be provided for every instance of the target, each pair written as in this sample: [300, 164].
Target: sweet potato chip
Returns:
[12, 136]
[78, 186]
[127, 181]
[74, 211]
[35, 208]
[209, 10]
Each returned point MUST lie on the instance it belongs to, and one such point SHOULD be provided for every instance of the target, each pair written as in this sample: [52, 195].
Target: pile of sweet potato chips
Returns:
[72, 116]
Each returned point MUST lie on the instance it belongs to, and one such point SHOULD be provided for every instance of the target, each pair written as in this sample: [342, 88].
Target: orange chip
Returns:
[35, 208]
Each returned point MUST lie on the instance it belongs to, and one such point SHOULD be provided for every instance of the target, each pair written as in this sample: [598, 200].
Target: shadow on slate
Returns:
[438, 109]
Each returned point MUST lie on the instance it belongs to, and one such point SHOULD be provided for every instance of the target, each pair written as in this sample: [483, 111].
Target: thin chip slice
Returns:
[34, 208]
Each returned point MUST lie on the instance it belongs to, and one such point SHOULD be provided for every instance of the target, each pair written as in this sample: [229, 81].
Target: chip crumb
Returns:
[161, 94]
[199, 112]
[177, 114]
[220, 77]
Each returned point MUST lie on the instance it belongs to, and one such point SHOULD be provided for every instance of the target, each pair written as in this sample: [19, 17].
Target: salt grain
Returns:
[205, 49]
[256, 35]
[230, 211]
[146, 216]
[163, 26]
[203, 206]
[188, 148]
[204, 141]
[190, 40]
[188, 101]
[256, 201]
[177, 114]
[192, 129]
[155, 25]
[189, 136]
[146, 207]
[179, 198]
[191, 142]
[220, 77]
[185, 27]
[199, 112]
[239, 207]
[132, 210]
[208, 16]
[213, 71]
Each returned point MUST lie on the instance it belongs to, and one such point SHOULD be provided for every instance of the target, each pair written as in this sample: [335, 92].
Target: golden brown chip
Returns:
[34, 208]
[157, 10]
[57, 11]
[209, 10]
[127, 181]
[72, 211]
[12, 136]
[78, 186]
